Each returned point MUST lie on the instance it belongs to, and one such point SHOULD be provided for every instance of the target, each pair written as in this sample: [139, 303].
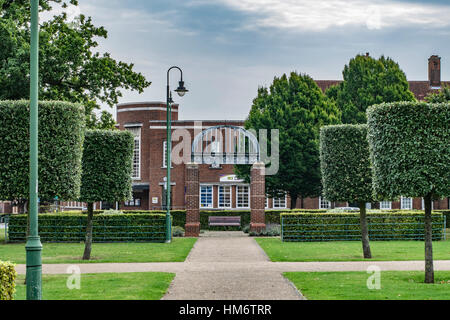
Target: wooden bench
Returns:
[233, 221]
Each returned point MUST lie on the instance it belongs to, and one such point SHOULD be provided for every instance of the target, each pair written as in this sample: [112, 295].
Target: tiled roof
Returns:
[420, 88]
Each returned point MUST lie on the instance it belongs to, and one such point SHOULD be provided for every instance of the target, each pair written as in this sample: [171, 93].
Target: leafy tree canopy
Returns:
[439, 97]
[295, 106]
[70, 69]
[369, 81]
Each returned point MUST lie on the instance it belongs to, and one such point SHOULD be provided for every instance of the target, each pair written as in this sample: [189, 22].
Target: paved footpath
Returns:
[231, 265]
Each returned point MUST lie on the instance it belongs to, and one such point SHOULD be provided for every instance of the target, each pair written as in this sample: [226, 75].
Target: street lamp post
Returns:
[33, 246]
[181, 90]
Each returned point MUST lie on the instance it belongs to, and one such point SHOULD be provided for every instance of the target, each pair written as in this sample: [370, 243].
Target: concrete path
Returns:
[230, 272]
[231, 265]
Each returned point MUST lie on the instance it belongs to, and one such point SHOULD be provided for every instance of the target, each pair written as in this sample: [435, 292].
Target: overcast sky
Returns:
[227, 48]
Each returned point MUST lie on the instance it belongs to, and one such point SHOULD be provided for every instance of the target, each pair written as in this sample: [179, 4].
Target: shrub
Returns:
[271, 230]
[177, 231]
[61, 133]
[406, 225]
[106, 228]
[8, 276]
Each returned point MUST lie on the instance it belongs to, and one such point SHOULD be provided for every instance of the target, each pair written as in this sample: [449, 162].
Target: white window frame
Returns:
[386, 202]
[136, 131]
[401, 203]
[230, 197]
[200, 196]
[323, 200]
[274, 200]
[242, 193]
[267, 202]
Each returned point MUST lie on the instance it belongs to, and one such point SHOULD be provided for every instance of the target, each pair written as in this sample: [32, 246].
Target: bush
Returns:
[107, 228]
[8, 276]
[61, 134]
[177, 231]
[407, 225]
[271, 230]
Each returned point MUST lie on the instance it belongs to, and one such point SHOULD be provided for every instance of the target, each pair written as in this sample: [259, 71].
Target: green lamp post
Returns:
[33, 246]
[181, 90]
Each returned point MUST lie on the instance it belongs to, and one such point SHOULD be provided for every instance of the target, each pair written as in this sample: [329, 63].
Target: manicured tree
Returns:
[107, 167]
[409, 147]
[346, 170]
[369, 81]
[295, 106]
[61, 134]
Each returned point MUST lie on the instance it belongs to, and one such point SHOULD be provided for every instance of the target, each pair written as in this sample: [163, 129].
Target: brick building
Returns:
[219, 187]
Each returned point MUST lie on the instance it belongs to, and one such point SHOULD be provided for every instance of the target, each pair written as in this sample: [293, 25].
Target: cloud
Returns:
[321, 15]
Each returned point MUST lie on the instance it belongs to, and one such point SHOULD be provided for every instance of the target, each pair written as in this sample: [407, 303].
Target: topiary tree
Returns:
[369, 81]
[409, 147]
[61, 134]
[295, 106]
[346, 170]
[107, 168]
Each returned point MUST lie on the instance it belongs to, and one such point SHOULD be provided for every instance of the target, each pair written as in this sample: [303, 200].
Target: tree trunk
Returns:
[293, 201]
[364, 231]
[88, 242]
[429, 270]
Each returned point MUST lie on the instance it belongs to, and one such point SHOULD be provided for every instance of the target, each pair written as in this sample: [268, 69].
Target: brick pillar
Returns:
[192, 227]
[257, 197]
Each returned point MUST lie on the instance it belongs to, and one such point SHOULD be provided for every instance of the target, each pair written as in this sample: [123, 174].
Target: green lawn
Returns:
[176, 251]
[395, 285]
[350, 250]
[103, 286]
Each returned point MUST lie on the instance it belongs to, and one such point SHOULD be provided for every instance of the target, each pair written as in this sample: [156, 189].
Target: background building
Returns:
[219, 187]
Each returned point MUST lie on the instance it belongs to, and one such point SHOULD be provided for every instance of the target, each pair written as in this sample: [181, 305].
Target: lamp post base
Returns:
[33, 249]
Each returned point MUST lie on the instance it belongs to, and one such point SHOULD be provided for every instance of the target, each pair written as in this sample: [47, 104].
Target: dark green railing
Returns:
[57, 230]
[296, 228]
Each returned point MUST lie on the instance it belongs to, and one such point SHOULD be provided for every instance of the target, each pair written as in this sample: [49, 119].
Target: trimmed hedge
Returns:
[409, 146]
[179, 216]
[106, 228]
[346, 226]
[61, 134]
[107, 166]
[8, 276]
[345, 163]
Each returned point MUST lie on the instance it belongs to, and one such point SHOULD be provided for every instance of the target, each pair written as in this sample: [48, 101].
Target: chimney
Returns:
[434, 71]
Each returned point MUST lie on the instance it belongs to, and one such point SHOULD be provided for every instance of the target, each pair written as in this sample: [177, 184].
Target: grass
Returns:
[350, 250]
[176, 251]
[395, 285]
[102, 286]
